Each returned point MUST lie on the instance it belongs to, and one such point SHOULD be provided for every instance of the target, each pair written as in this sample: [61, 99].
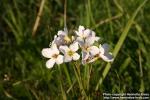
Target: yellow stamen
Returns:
[67, 39]
[70, 53]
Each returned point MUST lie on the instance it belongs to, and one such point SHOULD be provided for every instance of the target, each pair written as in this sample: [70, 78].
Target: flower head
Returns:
[88, 49]
[88, 53]
[70, 52]
[86, 35]
[63, 38]
[54, 55]
[69, 44]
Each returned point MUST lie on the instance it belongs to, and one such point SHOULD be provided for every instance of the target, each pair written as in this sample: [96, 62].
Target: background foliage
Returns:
[23, 74]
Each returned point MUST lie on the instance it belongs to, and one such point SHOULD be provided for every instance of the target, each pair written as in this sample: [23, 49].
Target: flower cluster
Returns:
[65, 48]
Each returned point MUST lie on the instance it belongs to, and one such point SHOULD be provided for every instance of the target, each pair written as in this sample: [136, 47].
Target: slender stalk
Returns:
[118, 6]
[69, 79]
[60, 82]
[85, 76]
[88, 76]
[75, 68]
[36, 24]
[67, 74]
[142, 88]
[65, 16]
[107, 20]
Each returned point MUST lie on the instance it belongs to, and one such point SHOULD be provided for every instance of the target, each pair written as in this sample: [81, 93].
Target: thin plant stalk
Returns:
[67, 74]
[75, 68]
[36, 24]
[65, 16]
[142, 88]
[88, 76]
[61, 86]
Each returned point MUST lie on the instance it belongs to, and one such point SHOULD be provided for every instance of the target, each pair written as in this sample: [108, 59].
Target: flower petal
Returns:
[64, 49]
[81, 29]
[108, 57]
[80, 41]
[93, 34]
[61, 33]
[85, 55]
[94, 50]
[76, 56]
[54, 41]
[96, 38]
[74, 47]
[87, 33]
[55, 49]
[90, 40]
[59, 59]
[78, 33]
[50, 63]
[47, 52]
[67, 58]
[104, 48]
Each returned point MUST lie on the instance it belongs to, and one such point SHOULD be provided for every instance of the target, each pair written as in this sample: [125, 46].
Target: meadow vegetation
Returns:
[124, 24]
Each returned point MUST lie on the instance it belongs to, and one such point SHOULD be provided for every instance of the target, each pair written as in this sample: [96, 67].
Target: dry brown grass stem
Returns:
[36, 24]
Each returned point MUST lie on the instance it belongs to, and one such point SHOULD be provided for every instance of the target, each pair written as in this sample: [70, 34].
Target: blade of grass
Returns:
[109, 15]
[36, 24]
[142, 88]
[118, 6]
[120, 43]
[9, 95]
[13, 23]
[125, 64]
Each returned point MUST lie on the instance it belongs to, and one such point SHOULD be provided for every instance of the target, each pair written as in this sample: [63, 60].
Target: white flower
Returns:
[82, 33]
[63, 35]
[61, 38]
[70, 52]
[102, 52]
[88, 53]
[92, 38]
[53, 54]
[85, 38]
[88, 49]
[105, 54]
[86, 35]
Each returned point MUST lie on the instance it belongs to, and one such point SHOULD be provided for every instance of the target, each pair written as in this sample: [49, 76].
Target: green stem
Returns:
[67, 74]
[88, 76]
[79, 80]
[65, 16]
[61, 86]
[142, 88]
